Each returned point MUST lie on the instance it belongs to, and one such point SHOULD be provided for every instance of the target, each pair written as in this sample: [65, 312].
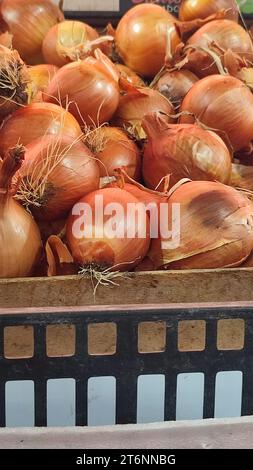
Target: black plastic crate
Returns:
[128, 362]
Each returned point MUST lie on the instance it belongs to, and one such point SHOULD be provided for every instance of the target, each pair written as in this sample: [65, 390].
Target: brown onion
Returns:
[135, 104]
[20, 243]
[69, 41]
[183, 151]
[142, 38]
[40, 77]
[90, 88]
[242, 177]
[29, 21]
[191, 9]
[223, 103]
[215, 230]
[105, 251]
[114, 149]
[14, 80]
[175, 85]
[34, 121]
[57, 172]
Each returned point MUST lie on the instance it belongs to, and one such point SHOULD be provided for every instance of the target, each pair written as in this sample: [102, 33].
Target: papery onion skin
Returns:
[223, 103]
[117, 150]
[192, 9]
[227, 35]
[40, 77]
[29, 21]
[90, 89]
[135, 104]
[175, 85]
[65, 40]
[141, 38]
[242, 177]
[216, 229]
[130, 75]
[20, 243]
[56, 173]
[118, 254]
[182, 151]
[34, 121]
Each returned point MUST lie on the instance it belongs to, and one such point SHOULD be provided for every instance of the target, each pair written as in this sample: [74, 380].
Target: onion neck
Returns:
[154, 124]
[11, 164]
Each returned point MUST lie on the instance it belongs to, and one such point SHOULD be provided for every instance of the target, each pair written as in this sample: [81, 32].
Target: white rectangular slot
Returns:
[228, 394]
[61, 402]
[101, 401]
[150, 398]
[190, 396]
[19, 402]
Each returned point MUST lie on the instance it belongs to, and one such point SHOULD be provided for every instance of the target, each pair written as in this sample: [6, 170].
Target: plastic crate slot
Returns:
[228, 394]
[191, 335]
[151, 337]
[19, 403]
[230, 334]
[18, 342]
[61, 409]
[102, 339]
[61, 340]
[190, 396]
[150, 398]
[101, 401]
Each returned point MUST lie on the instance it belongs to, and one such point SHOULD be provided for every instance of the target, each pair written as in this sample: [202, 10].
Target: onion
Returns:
[215, 230]
[70, 41]
[135, 104]
[57, 172]
[103, 250]
[128, 74]
[40, 77]
[175, 85]
[34, 121]
[13, 81]
[183, 151]
[227, 35]
[191, 9]
[90, 87]
[29, 21]
[222, 103]
[242, 177]
[142, 38]
[20, 243]
[6, 39]
[114, 149]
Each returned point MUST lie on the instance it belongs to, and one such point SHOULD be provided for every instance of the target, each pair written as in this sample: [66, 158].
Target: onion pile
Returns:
[56, 173]
[215, 231]
[89, 87]
[29, 21]
[183, 151]
[20, 243]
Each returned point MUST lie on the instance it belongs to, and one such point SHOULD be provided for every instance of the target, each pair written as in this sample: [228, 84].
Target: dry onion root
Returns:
[20, 243]
[216, 229]
[14, 80]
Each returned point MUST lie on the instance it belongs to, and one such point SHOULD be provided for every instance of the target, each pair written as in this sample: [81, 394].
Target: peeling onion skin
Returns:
[221, 219]
[183, 151]
[141, 38]
[222, 103]
[193, 9]
[28, 27]
[119, 254]
[34, 121]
